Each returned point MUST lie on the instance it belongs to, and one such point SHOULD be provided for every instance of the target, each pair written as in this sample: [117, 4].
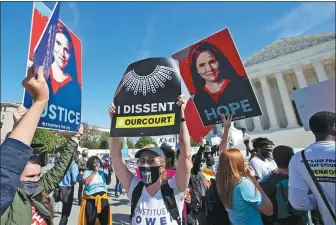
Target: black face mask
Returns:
[29, 187]
[149, 174]
[266, 154]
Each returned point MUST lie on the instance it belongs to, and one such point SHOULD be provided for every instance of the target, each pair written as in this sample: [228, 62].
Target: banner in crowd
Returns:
[146, 99]
[124, 149]
[194, 122]
[132, 166]
[313, 99]
[169, 140]
[64, 75]
[216, 79]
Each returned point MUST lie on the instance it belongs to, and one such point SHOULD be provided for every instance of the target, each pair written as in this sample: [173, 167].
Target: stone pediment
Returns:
[284, 46]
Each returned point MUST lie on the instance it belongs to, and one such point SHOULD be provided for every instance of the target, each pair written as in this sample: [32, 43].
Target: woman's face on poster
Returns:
[61, 50]
[207, 66]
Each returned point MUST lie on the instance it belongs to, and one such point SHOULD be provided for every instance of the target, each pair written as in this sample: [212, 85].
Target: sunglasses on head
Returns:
[152, 161]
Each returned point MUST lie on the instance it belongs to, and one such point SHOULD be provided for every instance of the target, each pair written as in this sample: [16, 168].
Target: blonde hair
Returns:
[231, 169]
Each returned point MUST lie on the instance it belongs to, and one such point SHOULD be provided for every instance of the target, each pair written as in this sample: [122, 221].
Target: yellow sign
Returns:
[161, 120]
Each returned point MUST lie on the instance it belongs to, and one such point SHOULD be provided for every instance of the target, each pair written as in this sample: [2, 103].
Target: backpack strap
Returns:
[284, 197]
[317, 184]
[170, 202]
[136, 196]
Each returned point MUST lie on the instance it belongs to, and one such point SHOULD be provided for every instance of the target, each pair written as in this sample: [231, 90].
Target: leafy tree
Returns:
[90, 136]
[48, 138]
[93, 145]
[143, 141]
[104, 144]
[130, 143]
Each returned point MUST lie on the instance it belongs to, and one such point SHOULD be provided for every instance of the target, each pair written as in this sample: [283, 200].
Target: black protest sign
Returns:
[146, 99]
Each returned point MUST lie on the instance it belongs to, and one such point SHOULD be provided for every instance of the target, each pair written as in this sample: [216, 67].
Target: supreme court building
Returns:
[275, 72]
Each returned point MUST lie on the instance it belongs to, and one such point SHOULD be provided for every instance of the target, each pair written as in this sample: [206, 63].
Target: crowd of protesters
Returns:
[274, 187]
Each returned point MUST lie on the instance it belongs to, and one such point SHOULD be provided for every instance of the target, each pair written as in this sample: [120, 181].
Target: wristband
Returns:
[183, 120]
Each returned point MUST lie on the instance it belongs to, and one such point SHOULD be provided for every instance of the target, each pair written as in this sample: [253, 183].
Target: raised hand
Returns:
[227, 122]
[112, 110]
[19, 113]
[181, 101]
[37, 87]
[80, 131]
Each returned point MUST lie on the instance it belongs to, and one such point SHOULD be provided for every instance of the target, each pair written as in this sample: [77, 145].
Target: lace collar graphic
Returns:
[149, 83]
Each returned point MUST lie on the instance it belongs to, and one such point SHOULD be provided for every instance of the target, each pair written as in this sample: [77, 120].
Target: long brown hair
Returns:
[231, 169]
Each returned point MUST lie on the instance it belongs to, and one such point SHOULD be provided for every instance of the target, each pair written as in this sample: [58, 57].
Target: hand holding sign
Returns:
[37, 87]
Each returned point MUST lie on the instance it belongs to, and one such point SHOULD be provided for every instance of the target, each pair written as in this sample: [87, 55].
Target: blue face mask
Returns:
[96, 164]
[29, 187]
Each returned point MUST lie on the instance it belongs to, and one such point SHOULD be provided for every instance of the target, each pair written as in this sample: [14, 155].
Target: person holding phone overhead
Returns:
[95, 201]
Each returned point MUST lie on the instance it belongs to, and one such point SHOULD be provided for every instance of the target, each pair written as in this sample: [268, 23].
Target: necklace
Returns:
[149, 83]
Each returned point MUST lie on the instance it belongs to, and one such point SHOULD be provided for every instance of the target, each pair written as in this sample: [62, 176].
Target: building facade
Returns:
[7, 120]
[275, 72]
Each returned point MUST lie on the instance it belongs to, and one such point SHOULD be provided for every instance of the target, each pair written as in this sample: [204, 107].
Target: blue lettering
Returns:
[52, 113]
[234, 106]
[65, 117]
[246, 105]
[78, 118]
[163, 220]
[60, 112]
[150, 221]
[222, 107]
[209, 114]
[73, 113]
[45, 112]
[138, 219]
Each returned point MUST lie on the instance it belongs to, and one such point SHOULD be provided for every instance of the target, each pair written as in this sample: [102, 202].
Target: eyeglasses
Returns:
[152, 161]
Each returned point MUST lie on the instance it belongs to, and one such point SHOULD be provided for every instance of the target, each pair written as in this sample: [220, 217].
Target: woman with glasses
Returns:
[95, 202]
[147, 199]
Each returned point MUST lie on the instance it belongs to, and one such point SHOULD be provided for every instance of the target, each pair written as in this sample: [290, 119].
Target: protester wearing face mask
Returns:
[95, 204]
[24, 192]
[262, 163]
[149, 193]
[82, 167]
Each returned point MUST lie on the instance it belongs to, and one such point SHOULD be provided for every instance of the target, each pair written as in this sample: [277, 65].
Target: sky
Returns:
[115, 34]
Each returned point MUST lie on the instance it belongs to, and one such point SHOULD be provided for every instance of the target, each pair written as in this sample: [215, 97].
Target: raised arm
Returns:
[124, 175]
[198, 158]
[50, 180]
[184, 164]
[227, 125]
[15, 151]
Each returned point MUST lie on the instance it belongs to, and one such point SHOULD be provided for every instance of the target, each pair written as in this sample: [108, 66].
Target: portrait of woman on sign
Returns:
[65, 74]
[214, 84]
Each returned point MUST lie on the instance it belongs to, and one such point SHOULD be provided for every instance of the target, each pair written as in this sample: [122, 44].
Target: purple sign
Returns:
[43, 53]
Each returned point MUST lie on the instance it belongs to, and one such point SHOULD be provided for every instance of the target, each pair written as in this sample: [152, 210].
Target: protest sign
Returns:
[146, 99]
[194, 122]
[63, 73]
[169, 140]
[216, 79]
[313, 99]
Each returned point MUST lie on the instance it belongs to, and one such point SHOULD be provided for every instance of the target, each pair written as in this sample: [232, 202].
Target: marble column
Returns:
[257, 123]
[300, 77]
[242, 124]
[286, 102]
[269, 103]
[319, 69]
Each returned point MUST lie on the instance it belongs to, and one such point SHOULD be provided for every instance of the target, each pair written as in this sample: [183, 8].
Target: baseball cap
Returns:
[150, 148]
